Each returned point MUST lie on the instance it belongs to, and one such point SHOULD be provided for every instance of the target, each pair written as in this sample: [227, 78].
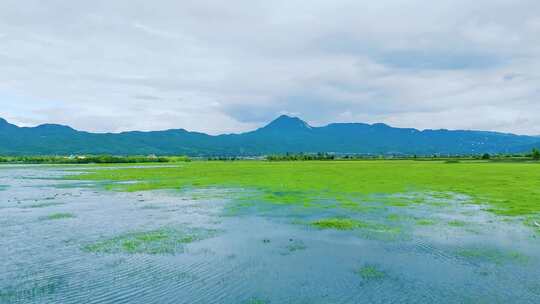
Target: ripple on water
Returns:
[121, 249]
[168, 240]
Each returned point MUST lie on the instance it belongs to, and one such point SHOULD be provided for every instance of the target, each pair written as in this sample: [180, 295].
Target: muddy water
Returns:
[65, 242]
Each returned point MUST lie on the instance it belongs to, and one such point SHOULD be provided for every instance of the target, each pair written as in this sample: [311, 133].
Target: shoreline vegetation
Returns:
[506, 184]
[534, 155]
[91, 159]
[505, 188]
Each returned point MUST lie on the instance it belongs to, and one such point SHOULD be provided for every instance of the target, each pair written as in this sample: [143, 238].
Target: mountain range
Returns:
[284, 134]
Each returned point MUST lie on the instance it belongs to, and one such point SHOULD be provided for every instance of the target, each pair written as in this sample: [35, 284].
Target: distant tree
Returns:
[486, 156]
[535, 154]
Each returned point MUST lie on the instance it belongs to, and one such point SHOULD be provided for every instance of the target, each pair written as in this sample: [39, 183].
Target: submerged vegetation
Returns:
[160, 241]
[492, 255]
[425, 222]
[389, 226]
[507, 188]
[371, 273]
[457, 223]
[43, 205]
[58, 216]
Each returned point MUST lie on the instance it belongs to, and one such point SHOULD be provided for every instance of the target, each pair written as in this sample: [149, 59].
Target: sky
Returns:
[231, 66]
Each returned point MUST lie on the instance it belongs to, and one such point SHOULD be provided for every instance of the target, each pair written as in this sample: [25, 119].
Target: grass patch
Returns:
[395, 217]
[510, 188]
[425, 222]
[369, 229]
[457, 223]
[371, 273]
[160, 241]
[58, 216]
[337, 224]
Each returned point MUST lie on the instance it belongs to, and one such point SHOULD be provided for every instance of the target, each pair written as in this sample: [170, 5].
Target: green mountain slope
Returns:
[285, 134]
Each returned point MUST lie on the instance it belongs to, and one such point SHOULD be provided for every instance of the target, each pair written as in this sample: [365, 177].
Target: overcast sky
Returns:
[231, 66]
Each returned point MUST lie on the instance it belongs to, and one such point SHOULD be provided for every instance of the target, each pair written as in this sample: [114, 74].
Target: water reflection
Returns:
[201, 246]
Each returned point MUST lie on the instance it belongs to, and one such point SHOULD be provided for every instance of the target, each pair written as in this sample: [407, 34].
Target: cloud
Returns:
[229, 67]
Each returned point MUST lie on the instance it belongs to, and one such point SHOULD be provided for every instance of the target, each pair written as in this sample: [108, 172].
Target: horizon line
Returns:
[266, 125]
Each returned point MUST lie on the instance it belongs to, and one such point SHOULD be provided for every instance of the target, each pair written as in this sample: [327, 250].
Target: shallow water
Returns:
[71, 242]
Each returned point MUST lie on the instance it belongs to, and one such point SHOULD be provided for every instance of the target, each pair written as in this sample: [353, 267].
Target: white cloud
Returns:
[220, 67]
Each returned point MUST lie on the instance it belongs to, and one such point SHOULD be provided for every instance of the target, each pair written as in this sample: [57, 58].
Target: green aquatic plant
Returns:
[43, 205]
[371, 273]
[425, 222]
[492, 255]
[394, 217]
[368, 229]
[58, 216]
[160, 241]
[508, 188]
[457, 223]
[33, 291]
[338, 224]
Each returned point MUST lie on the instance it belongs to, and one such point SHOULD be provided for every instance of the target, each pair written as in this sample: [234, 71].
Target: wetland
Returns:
[271, 232]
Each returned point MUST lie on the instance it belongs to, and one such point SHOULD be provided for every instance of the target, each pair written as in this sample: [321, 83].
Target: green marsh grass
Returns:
[457, 223]
[58, 216]
[508, 188]
[425, 222]
[338, 224]
[155, 242]
[369, 229]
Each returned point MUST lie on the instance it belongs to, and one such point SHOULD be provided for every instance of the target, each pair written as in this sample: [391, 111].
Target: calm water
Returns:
[445, 251]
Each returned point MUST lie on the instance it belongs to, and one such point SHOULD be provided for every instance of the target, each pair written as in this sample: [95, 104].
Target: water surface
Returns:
[74, 242]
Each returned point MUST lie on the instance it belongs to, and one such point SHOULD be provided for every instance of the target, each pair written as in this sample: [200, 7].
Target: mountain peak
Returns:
[4, 123]
[287, 123]
[54, 128]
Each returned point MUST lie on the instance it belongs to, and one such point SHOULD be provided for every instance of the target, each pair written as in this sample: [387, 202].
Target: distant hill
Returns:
[284, 134]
